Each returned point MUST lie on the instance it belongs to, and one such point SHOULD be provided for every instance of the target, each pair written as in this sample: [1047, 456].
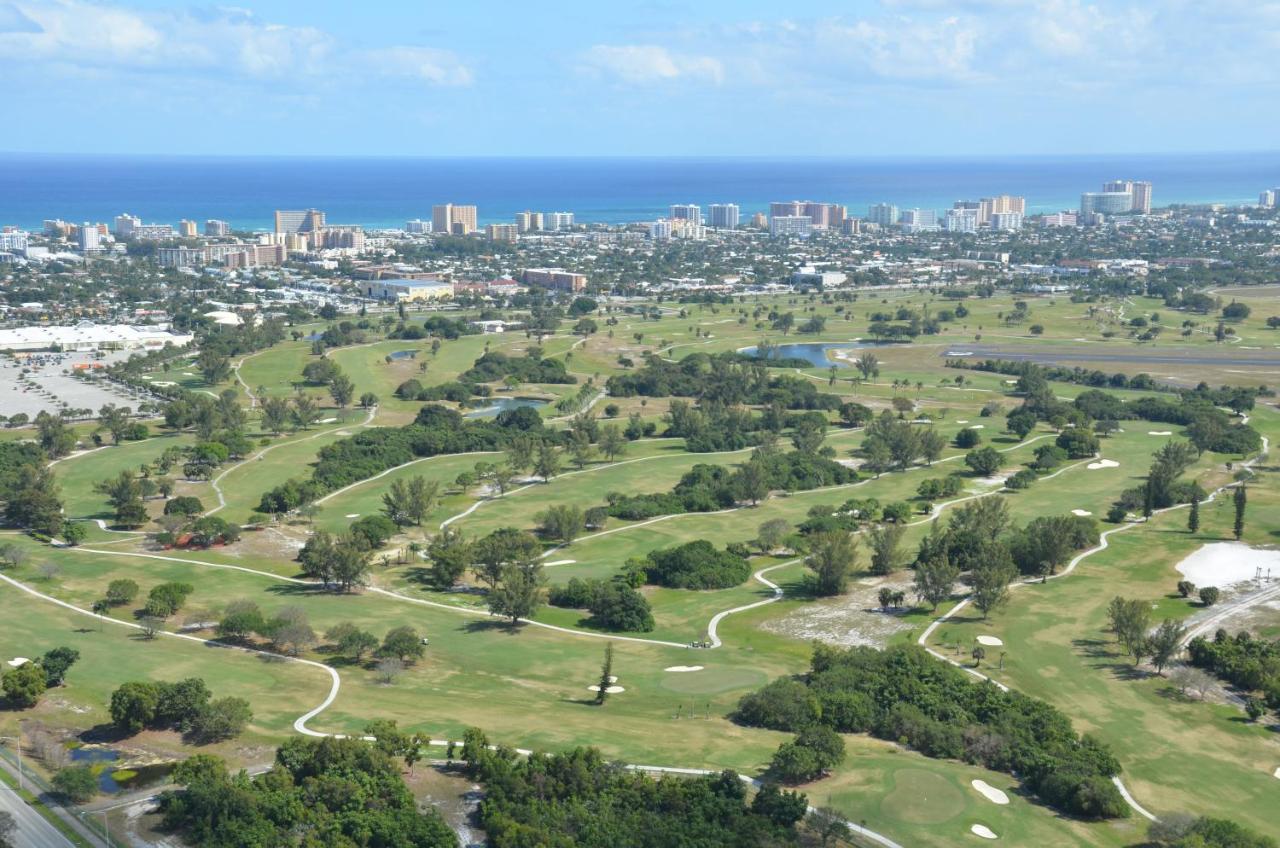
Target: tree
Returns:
[934, 580]
[213, 366]
[547, 463]
[121, 592]
[368, 400]
[75, 783]
[751, 482]
[1130, 620]
[450, 554]
[518, 593]
[979, 653]
[613, 443]
[932, 444]
[1209, 595]
[606, 675]
[401, 643]
[991, 584]
[581, 449]
[34, 502]
[868, 365]
[1186, 588]
[305, 411]
[832, 556]
[133, 705]
[520, 453]
[56, 663]
[563, 522]
[351, 640]
[24, 685]
[885, 541]
[984, 461]
[341, 389]
[275, 414]
[968, 438]
[1193, 518]
[771, 533]
[1166, 642]
[1240, 500]
[74, 534]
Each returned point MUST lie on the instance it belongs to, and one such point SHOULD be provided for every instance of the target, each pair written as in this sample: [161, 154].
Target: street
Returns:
[33, 830]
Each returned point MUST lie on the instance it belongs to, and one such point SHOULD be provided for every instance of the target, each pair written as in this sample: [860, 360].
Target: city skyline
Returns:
[882, 77]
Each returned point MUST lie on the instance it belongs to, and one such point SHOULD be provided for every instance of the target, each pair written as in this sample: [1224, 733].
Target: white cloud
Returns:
[80, 36]
[644, 63]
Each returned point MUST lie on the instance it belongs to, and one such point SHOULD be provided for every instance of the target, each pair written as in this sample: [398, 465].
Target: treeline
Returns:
[436, 430]
[728, 379]
[576, 799]
[28, 490]
[705, 488]
[336, 791]
[187, 705]
[1242, 660]
[903, 694]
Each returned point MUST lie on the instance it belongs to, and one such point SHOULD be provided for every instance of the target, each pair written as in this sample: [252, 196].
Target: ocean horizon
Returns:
[384, 192]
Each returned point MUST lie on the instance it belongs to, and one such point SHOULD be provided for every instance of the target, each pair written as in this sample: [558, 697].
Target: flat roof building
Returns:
[408, 291]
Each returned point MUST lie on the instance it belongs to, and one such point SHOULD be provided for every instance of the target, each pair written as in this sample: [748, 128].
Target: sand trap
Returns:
[327, 420]
[353, 515]
[983, 831]
[1226, 563]
[976, 427]
[1081, 512]
[612, 690]
[1102, 463]
[699, 668]
[1277, 774]
[1159, 432]
[17, 661]
[965, 421]
[563, 562]
[995, 796]
[990, 640]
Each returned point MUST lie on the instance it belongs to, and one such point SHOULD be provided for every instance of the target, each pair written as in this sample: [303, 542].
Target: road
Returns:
[34, 831]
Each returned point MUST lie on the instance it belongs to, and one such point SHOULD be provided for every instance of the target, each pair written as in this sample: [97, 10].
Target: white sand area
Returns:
[563, 562]
[1159, 432]
[1081, 512]
[18, 661]
[983, 831]
[976, 427]
[991, 641]
[353, 515]
[1227, 563]
[995, 796]
[612, 690]
[1102, 463]
[683, 668]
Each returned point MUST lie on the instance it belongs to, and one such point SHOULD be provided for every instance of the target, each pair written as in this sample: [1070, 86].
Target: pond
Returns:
[492, 406]
[402, 354]
[112, 780]
[817, 353]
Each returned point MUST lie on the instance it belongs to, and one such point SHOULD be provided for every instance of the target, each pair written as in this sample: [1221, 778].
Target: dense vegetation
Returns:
[903, 694]
[728, 379]
[340, 792]
[577, 800]
[1242, 660]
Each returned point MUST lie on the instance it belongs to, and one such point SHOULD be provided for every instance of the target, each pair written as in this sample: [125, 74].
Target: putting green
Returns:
[922, 797]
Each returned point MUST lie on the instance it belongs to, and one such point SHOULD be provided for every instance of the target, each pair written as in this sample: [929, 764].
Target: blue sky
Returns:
[647, 77]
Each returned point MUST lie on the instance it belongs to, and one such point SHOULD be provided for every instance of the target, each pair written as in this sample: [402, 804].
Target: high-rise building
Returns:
[686, 212]
[1106, 202]
[759, 221]
[787, 209]
[1269, 198]
[217, 229]
[1142, 197]
[884, 214]
[558, 221]
[724, 216]
[502, 232]
[453, 219]
[960, 221]
[87, 237]
[1006, 220]
[1059, 219]
[524, 222]
[660, 230]
[851, 226]
[918, 220]
[187, 229]
[125, 224]
[556, 278]
[13, 241]
[785, 226]
[299, 220]
[417, 227]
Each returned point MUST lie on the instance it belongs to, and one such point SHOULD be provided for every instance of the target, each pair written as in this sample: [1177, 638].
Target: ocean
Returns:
[386, 192]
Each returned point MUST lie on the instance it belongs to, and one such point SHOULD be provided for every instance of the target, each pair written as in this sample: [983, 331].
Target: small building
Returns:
[408, 291]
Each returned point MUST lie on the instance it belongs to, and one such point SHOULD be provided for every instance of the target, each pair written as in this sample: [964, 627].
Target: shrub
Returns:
[1209, 595]
[183, 505]
[696, 565]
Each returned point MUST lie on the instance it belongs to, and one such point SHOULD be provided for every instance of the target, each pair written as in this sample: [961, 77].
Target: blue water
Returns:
[385, 192]
[402, 354]
[815, 353]
[493, 406]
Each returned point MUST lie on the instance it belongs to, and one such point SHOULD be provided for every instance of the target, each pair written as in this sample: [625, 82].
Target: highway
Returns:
[34, 831]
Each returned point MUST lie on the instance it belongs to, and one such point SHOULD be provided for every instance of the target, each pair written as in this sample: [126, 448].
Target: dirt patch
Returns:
[852, 619]
[1229, 563]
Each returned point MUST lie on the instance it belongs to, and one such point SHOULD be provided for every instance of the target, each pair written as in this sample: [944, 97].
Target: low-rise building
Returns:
[555, 278]
[408, 291]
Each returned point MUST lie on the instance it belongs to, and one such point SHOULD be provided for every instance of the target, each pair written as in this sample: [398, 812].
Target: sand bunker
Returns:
[327, 420]
[612, 690]
[1277, 774]
[683, 668]
[353, 515]
[976, 427]
[993, 641]
[963, 421]
[995, 796]
[1081, 512]
[1159, 432]
[983, 831]
[18, 661]
[1227, 563]
[1102, 463]
[563, 562]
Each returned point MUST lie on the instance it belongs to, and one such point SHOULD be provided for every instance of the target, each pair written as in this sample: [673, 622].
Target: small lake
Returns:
[492, 406]
[112, 780]
[816, 353]
[402, 354]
